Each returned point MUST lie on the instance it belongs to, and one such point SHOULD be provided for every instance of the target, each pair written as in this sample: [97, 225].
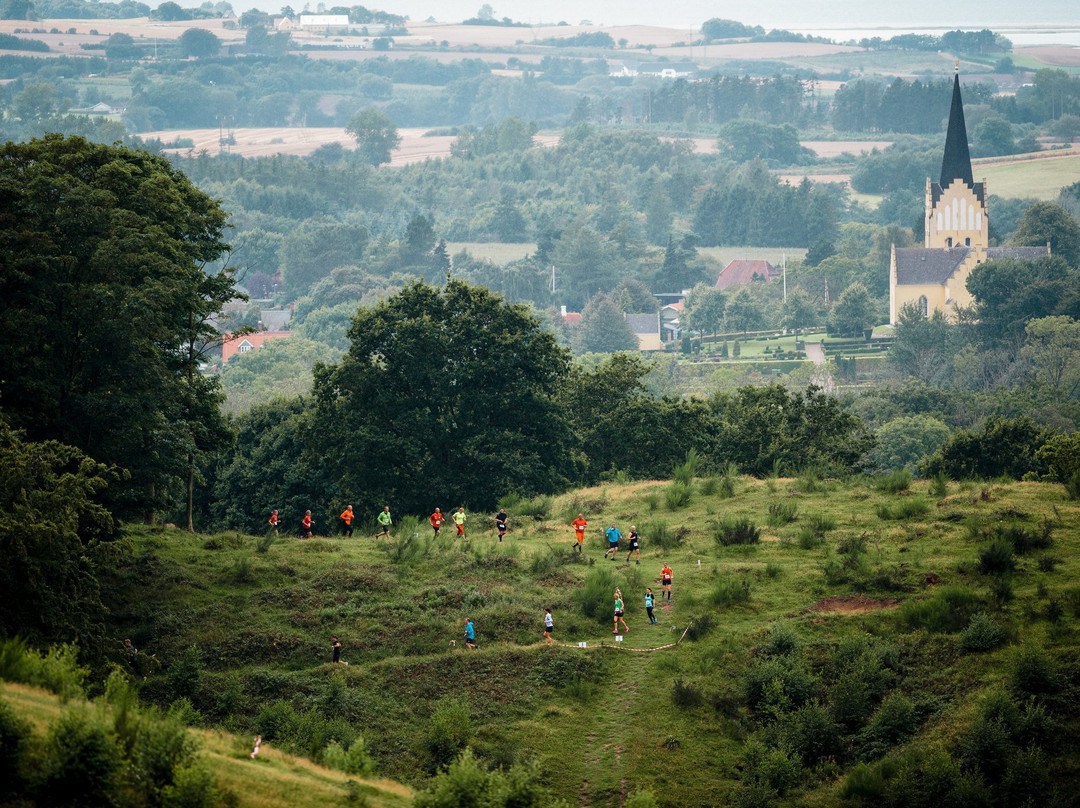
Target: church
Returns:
[956, 233]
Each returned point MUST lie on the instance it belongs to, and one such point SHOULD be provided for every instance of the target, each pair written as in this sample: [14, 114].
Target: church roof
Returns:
[921, 266]
[744, 270]
[1025, 253]
[956, 163]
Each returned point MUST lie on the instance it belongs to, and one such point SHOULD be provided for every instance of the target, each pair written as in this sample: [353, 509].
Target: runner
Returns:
[436, 520]
[619, 613]
[579, 531]
[500, 522]
[470, 634]
[347, 517]
[384, 521]
[649, 604]
[665, 579]
[459, 520]
[549, 627]
[335, 644]
[306, 524]
[613, 536]
[274, 521]
[132, 656]
[634, 546]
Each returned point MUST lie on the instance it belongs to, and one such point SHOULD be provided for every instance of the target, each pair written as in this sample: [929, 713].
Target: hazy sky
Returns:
[768, 13]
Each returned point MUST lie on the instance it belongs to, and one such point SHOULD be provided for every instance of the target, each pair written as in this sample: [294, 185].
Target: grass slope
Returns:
[273, 780]
[845, 577]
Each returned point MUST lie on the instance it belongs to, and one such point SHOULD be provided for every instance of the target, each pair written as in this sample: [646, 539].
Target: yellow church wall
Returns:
[902, 295]
[958, 215]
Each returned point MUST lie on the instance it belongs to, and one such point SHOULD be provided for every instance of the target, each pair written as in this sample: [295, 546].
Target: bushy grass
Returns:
[782, 513]
[677, 495]
[895, 482]
[948, 610]
[736, 531]
[904, 509]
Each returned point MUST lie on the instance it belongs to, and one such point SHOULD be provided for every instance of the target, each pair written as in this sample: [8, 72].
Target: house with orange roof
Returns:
[744, 270]
[247, 343]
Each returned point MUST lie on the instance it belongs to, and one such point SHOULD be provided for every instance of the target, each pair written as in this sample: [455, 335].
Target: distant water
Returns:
[1032, 22]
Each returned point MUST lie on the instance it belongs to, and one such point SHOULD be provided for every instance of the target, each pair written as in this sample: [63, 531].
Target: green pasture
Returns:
[774, 255]
[1040, 178]
[835, 563]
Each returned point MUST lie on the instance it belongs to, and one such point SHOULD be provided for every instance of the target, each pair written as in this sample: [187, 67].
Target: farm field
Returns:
[836, 568]
[1040, 178]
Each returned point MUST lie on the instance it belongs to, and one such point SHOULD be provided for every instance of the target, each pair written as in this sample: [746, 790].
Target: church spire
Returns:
[956, 164]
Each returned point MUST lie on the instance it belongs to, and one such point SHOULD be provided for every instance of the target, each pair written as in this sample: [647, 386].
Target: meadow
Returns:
[809, 603]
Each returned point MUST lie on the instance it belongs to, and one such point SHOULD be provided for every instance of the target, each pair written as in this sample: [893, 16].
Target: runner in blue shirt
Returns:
[649, 604]
[470, 634]
[613, 536]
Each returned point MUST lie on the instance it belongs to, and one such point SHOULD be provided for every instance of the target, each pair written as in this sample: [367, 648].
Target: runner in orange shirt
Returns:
[274, 521]
[665, 579]
[305, 526]
[436, 520]
[579, 531]
[347, 517]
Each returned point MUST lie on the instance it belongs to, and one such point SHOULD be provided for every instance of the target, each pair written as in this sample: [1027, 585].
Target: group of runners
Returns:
[385, 521]
[459, 517]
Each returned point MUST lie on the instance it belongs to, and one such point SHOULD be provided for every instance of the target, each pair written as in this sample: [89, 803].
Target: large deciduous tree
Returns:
[104, 304]
[376, 136]
[1045, 222]
[51, 527]
[446, 397]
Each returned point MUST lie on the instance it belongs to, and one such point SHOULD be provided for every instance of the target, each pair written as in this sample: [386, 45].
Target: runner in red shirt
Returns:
[665, 579]
[436, 520]
[305, 526]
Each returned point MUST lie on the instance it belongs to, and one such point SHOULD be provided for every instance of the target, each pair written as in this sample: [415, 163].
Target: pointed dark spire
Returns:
[956, 164]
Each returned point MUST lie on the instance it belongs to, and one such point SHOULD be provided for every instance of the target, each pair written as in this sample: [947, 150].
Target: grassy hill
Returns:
[273, 780]
[868, 637]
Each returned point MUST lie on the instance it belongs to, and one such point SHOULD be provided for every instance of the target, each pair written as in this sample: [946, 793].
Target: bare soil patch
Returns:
[853, 604]
[1060, 55]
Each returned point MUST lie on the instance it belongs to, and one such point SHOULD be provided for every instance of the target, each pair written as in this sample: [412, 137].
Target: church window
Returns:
[948, 242]
[924, 307]
[967, 242]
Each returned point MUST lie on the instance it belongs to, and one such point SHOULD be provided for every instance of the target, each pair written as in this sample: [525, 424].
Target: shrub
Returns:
[685, 694]
[729, 591]
[700, 626]
[809, 732]
[894, 482]
[1072, 486]
[808, 538]
[55, 670]
[81, 761]
[892, 725]
[264, 543]
[773, 769]
[821, 522]
[659, 534]
[449, 731]
[686, 471]
[1024, 540]
[947, 610]
[677, 495]
[1027, 780]
[774, 686]
[981, 634]
[14, 738]
[537, 507]
[596, 595]
[641, 799]
[986, 747]
[782, 640]
[651, 500]
[996, 558]
[736, 531]
[1031, 671]
[782, 513]
[939, 485]
[354, 760]
[905, 509]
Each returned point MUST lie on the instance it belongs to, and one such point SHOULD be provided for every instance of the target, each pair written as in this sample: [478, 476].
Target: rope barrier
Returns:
[620, 647]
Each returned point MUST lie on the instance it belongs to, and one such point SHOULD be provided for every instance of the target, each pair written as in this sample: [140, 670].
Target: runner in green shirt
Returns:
[384, 521]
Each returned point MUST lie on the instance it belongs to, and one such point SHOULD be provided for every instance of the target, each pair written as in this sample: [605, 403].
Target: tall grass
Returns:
[660, 534]
[782, 513]
[677, 495]
[736, 531]
[905, 509]
[894, 482]
[686, 471]
[56, 670]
